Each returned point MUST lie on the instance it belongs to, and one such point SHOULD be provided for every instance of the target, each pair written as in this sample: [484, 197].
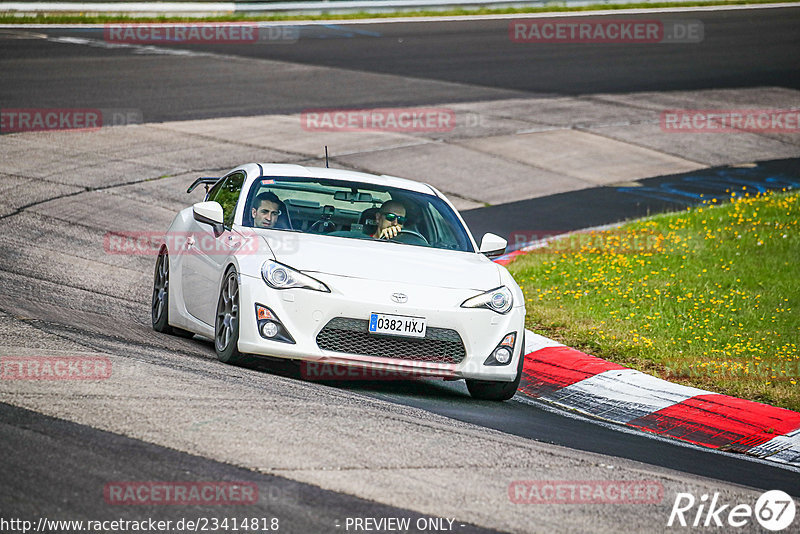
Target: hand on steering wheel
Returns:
[390, 232]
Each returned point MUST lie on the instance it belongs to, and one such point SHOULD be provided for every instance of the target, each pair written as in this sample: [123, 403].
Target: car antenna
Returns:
[326, 156]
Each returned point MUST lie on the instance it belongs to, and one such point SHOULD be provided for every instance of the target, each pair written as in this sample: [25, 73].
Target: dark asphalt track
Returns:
[534, 422]
[746, 48]
[537, 218]
[57, 470]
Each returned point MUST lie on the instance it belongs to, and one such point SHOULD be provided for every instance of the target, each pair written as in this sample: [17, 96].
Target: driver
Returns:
[390, 220]
[266, 210]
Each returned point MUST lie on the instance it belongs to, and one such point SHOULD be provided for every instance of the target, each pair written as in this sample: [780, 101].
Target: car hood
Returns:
[384, 261]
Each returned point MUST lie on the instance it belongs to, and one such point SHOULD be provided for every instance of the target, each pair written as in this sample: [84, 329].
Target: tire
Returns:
[226, 323]
[497, 391]
[159, 305]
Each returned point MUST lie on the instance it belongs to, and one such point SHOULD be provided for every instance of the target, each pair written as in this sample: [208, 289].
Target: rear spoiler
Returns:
[207, 180]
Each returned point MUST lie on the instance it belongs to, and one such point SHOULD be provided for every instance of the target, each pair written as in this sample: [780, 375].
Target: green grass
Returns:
[6, 18]
[707, 297]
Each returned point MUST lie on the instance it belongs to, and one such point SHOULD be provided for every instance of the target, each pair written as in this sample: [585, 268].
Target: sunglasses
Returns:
[401, 219]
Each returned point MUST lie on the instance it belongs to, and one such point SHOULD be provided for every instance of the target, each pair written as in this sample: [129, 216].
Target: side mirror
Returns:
[209, 213]
[493, 245]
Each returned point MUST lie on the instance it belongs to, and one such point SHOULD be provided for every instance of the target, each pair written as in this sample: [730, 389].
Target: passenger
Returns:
[390, 220]
[266, 210]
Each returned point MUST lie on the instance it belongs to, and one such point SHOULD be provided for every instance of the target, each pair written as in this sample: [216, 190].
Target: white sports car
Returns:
[340, 268]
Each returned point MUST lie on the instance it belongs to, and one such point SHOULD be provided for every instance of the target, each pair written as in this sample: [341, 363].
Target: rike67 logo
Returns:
[774, 510]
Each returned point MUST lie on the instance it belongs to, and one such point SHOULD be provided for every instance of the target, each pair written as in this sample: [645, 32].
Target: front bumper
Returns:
[304, 313]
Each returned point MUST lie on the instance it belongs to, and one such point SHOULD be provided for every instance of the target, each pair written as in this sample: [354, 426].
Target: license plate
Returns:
[396, 325]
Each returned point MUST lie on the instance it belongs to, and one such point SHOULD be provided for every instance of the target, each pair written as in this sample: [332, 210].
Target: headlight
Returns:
[279, 276]
[500, 300]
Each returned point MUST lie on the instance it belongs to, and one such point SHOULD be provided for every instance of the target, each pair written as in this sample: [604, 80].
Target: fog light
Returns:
[502, 355]
[269, 329]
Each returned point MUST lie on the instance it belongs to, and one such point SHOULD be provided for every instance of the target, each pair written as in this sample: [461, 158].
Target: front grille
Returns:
[440, 345]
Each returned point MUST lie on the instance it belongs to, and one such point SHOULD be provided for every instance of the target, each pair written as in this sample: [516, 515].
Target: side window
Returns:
[226, 192]
[444, 234]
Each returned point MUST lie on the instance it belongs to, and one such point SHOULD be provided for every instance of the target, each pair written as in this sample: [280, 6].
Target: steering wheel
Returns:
[323, 226]
[411, 237]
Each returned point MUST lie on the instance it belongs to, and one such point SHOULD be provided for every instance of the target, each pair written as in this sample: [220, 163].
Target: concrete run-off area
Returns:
[488, 153]
[63, 295]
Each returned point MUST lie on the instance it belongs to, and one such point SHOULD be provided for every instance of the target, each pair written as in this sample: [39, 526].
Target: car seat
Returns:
[284, 221]
[368, 222]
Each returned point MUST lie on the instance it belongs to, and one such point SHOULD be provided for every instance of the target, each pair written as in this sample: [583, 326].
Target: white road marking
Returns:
[534, 342]
[622, 395]
[544, 405]
[785, 448]
[137, 49]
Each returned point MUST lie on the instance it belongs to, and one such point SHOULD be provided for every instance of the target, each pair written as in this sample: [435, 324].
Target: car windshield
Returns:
[353, 210]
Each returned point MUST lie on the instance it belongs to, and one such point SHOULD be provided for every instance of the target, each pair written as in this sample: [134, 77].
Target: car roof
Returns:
[281, 169]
